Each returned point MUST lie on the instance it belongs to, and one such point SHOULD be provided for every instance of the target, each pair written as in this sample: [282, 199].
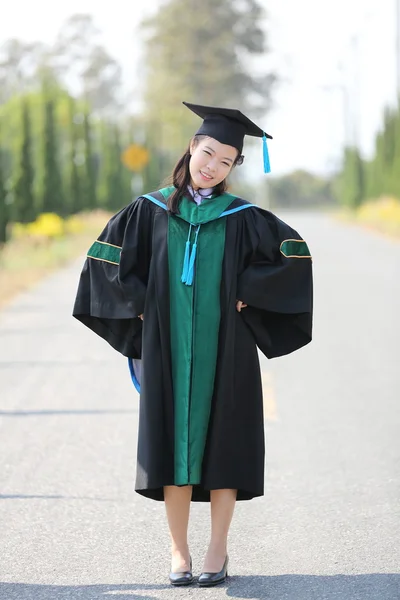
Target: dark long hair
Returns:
[180, 178]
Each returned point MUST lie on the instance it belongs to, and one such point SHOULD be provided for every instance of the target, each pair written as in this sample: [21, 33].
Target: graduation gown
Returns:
[201, 408]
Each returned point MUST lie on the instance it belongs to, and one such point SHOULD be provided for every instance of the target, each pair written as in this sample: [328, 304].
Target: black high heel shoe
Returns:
[182, 578]
[209, 579]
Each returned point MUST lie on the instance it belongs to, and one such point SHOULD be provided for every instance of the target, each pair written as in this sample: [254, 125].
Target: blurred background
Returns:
[91, 115]
[91, 111]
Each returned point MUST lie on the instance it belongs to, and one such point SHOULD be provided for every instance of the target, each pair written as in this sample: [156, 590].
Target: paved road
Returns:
[328, 528]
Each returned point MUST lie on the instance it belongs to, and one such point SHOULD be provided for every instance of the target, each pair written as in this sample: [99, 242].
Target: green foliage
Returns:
[199, 51]
[55, 146]
[53, 199]
[115, 178]
[24, 209]
[116, 194]
[74, 176]
[4, 209]
[350, 185]
[10, 114]
[89, 188]
[361, 180]
[395, 178]
[298, 189]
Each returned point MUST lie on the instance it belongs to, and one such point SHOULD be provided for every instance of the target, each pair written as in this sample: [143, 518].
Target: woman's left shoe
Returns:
[209, 579]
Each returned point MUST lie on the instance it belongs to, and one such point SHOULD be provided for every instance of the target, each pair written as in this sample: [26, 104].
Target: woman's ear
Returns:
[192, 146]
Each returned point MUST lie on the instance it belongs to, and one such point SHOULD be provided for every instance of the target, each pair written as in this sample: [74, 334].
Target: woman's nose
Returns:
[212, 164]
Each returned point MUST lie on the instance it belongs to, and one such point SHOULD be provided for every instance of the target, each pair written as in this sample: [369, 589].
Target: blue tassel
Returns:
[267, 166]
[186, 259]
[185, 263]
[190, 273]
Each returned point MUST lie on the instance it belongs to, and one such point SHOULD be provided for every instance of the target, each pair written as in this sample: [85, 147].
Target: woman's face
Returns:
[210, 162]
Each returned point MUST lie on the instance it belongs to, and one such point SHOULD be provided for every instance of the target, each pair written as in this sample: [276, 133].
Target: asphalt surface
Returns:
[328, 527]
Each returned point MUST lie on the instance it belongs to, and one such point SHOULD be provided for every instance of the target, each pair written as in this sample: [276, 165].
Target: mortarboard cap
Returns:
[229, 126]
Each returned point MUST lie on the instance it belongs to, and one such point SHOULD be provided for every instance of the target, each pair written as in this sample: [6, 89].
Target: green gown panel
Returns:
[195, 318]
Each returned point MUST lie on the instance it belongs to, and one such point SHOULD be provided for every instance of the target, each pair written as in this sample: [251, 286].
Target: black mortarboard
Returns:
[229, 126]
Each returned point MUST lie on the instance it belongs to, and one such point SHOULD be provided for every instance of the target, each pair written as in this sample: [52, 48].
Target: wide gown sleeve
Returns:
[276, 283]
[112, 287]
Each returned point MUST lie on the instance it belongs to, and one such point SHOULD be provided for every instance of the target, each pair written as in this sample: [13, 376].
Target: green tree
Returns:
[24, 203]
[385, 153]
[116, 191]
[382, 173]
[396, 159]
[90, 192]
[53, 199]
[115, 181]
[375, 170]
[104, 144]
[351, 184]
[199, 52]
[299, 188]
[75, 188]
[4, 210]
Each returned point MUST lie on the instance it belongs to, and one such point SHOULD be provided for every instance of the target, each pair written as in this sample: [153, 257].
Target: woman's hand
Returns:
[141, 317]
[240, 305]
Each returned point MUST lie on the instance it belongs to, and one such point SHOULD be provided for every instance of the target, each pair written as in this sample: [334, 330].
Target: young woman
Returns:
[187, 282]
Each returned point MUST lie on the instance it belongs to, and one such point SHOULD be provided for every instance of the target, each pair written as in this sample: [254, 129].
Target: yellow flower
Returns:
[384, 211]
[47, 225]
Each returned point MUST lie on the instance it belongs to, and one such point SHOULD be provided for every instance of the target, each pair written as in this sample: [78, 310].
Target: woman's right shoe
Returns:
[182, 578]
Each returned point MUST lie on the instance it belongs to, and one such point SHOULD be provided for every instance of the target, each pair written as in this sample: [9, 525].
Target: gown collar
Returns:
[199, 195]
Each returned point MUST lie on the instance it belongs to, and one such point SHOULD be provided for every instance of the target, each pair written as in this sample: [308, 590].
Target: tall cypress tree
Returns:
[53, 198]
[383, 170]
[352, 179]
[4, 211]
[24, 202]
[102, 184]
[380, 175]
[112, 168]
[396, 159]
[116, 180]
[90, 196]
[75, 191]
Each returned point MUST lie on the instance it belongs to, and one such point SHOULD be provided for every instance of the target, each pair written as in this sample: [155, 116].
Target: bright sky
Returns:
[308, 38]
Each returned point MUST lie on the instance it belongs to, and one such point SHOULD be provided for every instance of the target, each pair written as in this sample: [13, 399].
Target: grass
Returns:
[24, 261]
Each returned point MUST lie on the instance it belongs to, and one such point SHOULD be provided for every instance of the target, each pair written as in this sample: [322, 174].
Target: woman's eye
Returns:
[205, 152]
[226, 164]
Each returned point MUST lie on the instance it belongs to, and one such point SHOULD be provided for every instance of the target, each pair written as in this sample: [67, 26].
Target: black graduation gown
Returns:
[278, 319]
